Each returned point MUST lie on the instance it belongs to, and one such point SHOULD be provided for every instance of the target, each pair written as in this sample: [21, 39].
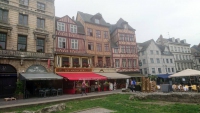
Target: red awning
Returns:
[82, 76]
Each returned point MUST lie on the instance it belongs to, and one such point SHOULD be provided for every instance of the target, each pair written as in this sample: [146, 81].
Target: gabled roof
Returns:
[196, 47]
[145, 45]
[80, 28]
[162, 49]
[119, 25]
[89, 18]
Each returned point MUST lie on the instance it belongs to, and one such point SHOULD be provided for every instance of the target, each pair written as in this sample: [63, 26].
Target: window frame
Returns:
[106, 34]
[117, 63]
[97, 21]
[73, 28]
[62, 40]
[60, 26]
[22, 36]
[89, 32]
[5, 41]
[152, 60]
[99, 47]
[106, 47]
[4, 18]
[39, 23]
[23, 2]
[24, 23]
[74, 42]
[39, 3]
[98, 34]
[40, 45]
[91, 44]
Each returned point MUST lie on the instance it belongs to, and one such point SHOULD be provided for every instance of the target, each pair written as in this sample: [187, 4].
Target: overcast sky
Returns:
[150, 18]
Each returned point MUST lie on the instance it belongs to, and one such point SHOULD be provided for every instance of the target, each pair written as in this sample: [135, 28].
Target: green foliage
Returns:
[19, 88]
[153, 77]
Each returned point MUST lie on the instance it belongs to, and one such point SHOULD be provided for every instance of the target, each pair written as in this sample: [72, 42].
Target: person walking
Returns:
[83, 88]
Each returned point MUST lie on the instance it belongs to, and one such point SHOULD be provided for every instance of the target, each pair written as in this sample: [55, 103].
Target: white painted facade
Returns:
[181, 52]
[154, 60]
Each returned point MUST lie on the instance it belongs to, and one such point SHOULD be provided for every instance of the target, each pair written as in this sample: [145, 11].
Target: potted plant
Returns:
[19, 90]
[66, 64]
[85, 65]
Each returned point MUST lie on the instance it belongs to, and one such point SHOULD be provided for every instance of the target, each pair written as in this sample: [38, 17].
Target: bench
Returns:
[9, 99]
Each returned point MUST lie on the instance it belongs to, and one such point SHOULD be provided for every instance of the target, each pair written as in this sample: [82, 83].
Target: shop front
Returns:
[73, 78]
[8, 79]
[38, 82]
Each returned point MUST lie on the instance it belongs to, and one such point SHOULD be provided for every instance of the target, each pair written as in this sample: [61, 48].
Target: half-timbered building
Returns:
[70, 44]
[124, 50]
[97, 38]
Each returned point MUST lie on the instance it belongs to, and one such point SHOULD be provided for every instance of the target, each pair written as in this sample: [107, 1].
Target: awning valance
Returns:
[114, 75]
[163, 75]
[39, 76]
[82, 76]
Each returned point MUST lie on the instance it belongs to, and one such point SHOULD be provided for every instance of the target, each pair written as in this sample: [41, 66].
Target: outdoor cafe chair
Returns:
[41, 93]
[47, 92]
[53, 92]
[60, 91]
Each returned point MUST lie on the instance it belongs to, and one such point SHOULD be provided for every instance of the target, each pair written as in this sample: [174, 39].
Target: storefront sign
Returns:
[73, 70]
[36, 69]
[7, 75]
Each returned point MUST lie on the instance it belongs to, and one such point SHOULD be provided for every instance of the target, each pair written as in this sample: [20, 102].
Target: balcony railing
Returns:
[14, 53]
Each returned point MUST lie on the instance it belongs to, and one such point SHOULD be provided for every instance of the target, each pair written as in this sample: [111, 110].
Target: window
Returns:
[131, 38]
[126, 38]
[151, 60]
[158, 60]
[105, 34]
[40, 6]
[129, 62]
[172, 48]
[61, 42]
[123, 62]
[153, 70]
[106, 47]
[144, 62]
[90, 46]
[40, 45]
[60, 26]
[116, 62]
[96, 21]
[98, 34]
[24, 2]
[163, 60]
[89, 32]
[40, 23]
[99, 48]
[167, 61]
[121, 37]
[3, 39]
[171, 61]
[125, 26]
[145, 70]
[73, 28]
[74, 44]
[123, 49]
[157, 52]
[142, 52]
[128, 49]
[151, 51]
[134, 62]
[23, 19]
[159, 70]
[22, 43]
[172, 69]
[180, 57]
[132, 49]
[169, 70]
[175, 48]
[3, 15]
[116, 50]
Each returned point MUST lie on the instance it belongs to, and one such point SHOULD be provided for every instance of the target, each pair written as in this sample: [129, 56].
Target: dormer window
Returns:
[96, 21]
[125, 26]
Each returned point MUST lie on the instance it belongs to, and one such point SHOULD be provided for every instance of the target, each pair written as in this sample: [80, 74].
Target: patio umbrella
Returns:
[187, 72]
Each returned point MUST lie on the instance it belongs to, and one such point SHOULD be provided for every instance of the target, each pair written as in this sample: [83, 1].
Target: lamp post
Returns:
[53, 51]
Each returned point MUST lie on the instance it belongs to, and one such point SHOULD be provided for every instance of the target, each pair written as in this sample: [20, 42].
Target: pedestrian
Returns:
[83, 88]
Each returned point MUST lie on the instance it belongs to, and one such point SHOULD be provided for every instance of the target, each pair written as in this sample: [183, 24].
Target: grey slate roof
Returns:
[196, 47]
[80, 28]
[145, 45]
[176, 41]
[119, 25]
[162, 48]
[89, 18]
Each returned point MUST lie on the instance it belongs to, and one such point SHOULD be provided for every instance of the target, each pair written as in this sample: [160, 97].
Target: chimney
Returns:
[73, 18]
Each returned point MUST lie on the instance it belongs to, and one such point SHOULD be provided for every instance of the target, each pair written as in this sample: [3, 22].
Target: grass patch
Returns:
[121, 104]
